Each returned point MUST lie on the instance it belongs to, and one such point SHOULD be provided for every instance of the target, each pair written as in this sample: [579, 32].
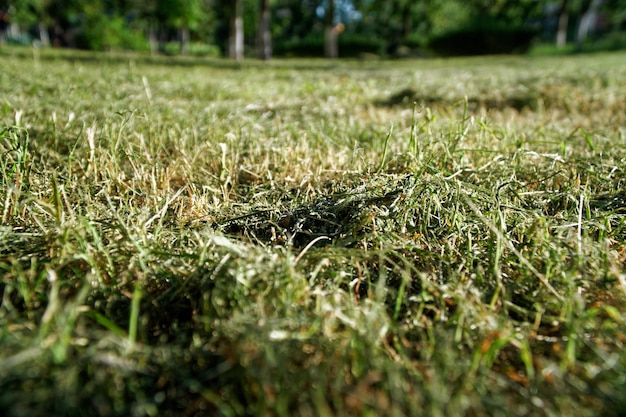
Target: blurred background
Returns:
[366, 29]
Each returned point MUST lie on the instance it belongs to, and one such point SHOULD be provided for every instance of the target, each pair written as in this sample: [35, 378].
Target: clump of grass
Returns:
[203, 247]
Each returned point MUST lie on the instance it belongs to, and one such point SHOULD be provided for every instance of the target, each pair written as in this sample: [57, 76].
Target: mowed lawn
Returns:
[187, 237]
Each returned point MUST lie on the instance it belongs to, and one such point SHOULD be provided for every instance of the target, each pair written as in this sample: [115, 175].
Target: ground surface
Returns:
[188, 237]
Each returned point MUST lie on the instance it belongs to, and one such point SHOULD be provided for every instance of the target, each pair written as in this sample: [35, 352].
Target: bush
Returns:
[410, 47]
[483, 40]
[197, 49]
[613, 41]
[21, 39]
[171, 48]
[204, 49]
[350, 46]
[312, 45]
[102, 32]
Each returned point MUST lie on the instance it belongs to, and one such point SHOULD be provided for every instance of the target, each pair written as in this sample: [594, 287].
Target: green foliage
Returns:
[451, 15]
[203, 49]
[195, 49]
[350, 45]
[398, 28]
[615, 41]
[483, 40]
[102, 32]
[407, 26]
[180, 13]
[28, 12]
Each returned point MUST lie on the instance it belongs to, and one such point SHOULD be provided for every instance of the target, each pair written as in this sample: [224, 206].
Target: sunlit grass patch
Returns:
[195, 238]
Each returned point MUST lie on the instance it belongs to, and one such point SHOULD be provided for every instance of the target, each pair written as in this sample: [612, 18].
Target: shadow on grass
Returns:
[408, 96]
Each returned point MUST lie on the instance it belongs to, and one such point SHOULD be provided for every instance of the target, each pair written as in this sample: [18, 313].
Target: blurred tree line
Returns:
[238, 28]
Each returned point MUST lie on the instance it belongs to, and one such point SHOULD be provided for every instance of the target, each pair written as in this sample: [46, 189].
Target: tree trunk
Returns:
[235, 38]
[587, 21]
[153, 39]
[331, 49]
[264, 34]
[407, 21]
[184, 40]
[561, 36]
[44, 36]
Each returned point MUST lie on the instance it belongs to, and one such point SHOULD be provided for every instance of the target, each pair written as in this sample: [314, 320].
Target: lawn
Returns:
[190, 237]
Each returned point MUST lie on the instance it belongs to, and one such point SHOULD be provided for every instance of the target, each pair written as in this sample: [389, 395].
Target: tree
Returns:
[616, 10]
[331, 47]
[153, 20]
[397, 21]
[184, 15]
[264, 33]
[586, 10]
[295, 19]
[561, 35]
[397, 17]
[235, 30]
[587, 21]
[29, 13]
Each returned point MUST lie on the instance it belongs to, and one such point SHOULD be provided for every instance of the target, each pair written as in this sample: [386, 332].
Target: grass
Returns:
[193, 237]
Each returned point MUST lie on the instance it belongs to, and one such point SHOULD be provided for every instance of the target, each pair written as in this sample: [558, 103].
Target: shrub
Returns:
[171, 48]
[350, 45]
[204, 49]
[483, 40]
[410, 47]
[613, 41]
[102, 32]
